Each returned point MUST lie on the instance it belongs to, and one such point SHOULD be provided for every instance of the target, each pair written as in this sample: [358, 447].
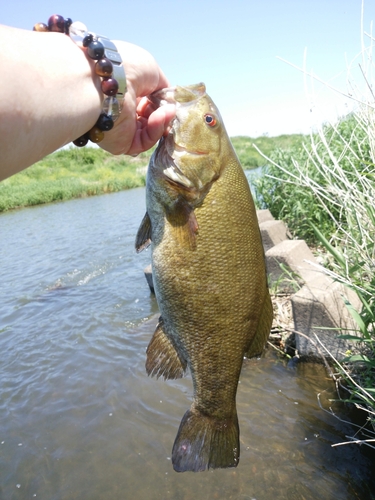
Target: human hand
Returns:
[141, 123]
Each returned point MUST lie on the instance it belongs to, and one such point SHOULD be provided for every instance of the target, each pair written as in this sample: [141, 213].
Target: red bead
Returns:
[109, 86]
[56, 23]
[40, 27]
[104, 67]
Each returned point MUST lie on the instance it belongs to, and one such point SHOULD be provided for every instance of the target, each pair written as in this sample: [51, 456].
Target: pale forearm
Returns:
[48, 96]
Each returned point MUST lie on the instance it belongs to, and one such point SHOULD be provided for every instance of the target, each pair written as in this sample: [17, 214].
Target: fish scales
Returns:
[210, 283]
[217, 274]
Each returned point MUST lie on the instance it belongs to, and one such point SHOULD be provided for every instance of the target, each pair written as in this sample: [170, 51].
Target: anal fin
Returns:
[162, 357]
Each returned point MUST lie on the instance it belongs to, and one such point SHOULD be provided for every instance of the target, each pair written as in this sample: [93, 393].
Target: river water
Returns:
[80, 419]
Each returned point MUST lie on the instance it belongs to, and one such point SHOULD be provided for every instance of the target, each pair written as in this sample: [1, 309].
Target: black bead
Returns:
[82, 141]
[105, 122]
[68, 23]
[87, 40]
[95, 50]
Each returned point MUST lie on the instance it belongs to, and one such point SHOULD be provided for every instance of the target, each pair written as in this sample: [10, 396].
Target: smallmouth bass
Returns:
[209, 275]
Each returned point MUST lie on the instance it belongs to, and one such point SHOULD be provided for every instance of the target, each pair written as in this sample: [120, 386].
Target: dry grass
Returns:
[281, 336]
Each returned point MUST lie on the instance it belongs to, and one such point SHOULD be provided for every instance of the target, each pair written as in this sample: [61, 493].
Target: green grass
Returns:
[306, 185]
[250, 158]
[75, 173]
[324, 189]
[72, 173]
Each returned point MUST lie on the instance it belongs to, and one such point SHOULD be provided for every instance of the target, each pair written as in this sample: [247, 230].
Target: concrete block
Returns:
[319, 305]
[296, 256]
[273, 232]
[148, 275]
[264, 215]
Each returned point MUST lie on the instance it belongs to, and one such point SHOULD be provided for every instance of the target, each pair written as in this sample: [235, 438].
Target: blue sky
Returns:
[233, 46]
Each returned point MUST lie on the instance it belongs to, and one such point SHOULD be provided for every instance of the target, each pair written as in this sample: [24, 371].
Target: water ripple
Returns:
[80, 419]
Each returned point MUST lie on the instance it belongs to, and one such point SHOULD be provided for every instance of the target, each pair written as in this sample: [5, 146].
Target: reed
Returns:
[325, 191]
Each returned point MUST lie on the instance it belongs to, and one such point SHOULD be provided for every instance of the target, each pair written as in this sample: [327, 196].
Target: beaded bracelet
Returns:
[108, 67]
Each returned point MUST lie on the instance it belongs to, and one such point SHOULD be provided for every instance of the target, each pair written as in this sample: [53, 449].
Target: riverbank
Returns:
[72, 173]
[77, 173]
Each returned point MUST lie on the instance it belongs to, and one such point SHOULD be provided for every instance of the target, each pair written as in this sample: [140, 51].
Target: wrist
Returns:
[107, 70]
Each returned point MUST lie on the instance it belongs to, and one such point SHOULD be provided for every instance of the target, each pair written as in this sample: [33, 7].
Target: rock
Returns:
[295, 255]
[264, 215]
[319, 310]
[272, 232]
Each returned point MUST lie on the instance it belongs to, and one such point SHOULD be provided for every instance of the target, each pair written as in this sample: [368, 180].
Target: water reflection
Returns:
[79, 418]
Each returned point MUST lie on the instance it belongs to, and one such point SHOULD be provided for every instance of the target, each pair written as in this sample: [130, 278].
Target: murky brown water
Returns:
[80, 419]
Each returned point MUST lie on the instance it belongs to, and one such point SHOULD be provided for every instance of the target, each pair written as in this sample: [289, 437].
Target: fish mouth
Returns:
[176, 150]
[178, 94]
[163, 96]
[172, 172]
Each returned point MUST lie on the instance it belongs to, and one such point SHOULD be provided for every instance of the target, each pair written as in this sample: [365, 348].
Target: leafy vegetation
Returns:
[286, 189]
[325, 190]
[72, 173]
[248, 154]
[75, 173]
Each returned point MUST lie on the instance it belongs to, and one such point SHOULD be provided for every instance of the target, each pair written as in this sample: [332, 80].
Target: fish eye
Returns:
[210, 120]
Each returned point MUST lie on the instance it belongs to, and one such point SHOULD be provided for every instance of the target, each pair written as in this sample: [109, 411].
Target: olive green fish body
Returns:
[210, 282]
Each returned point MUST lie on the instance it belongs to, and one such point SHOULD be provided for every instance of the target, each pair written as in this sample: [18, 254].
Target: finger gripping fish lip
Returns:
[163, 96]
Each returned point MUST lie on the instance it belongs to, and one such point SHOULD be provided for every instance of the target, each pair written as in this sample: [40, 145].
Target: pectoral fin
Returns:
[182, 218]
[162, 357]
[259, 340]
[143, 238]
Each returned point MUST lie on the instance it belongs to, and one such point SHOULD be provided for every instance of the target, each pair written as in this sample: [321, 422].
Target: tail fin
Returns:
[204, 442]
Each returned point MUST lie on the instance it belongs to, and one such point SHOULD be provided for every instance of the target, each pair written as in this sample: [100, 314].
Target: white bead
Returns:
[77, 31]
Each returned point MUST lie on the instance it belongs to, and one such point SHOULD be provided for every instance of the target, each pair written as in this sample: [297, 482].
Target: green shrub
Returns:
[300, 184]
[325, 192]
[249, 156]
